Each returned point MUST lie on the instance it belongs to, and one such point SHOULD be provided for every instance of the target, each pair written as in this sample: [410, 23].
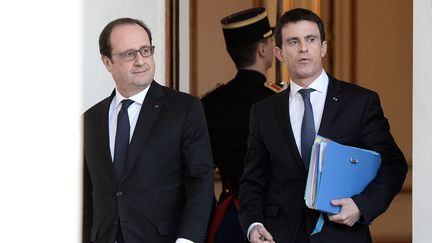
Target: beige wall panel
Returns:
[214, 65]
[395, 224]
[384, 64]
[384, 61]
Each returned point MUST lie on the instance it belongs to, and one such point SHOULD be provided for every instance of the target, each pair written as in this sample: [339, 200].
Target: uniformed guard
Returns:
[249, 42]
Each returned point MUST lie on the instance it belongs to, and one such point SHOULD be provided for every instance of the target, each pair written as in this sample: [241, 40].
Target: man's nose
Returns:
[303, 46]
[139, 60]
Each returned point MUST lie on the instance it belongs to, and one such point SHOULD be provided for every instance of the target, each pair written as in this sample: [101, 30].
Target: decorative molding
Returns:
[172, 44]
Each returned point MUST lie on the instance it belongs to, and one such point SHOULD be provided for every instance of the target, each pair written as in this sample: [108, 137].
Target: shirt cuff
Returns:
[183, 240]
[250, 228]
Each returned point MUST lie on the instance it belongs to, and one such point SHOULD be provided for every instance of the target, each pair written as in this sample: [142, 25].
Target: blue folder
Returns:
[338, 171]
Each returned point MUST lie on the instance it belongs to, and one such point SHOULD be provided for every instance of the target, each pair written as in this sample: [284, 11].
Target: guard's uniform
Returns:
[227, 111]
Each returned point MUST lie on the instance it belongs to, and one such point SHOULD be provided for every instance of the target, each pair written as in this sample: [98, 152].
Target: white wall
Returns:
[422, 115]
[97, 82]
[184, 46]
[40, 158]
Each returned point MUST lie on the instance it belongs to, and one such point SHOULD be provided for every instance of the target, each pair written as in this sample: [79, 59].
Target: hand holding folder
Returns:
[337, 171]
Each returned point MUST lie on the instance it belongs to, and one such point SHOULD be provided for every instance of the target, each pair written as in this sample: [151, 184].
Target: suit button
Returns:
[119, 194]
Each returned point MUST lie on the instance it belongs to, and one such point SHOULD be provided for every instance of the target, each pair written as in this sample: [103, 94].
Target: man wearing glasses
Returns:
[147, 157]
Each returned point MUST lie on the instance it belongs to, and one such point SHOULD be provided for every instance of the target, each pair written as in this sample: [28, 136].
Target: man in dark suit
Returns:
[272, 206]
[159, 187]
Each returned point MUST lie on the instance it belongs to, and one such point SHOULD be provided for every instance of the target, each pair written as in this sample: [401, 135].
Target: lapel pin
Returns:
[335, 99]
[156, 106]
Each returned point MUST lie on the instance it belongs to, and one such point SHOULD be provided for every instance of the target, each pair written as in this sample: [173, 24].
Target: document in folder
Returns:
[338, 171]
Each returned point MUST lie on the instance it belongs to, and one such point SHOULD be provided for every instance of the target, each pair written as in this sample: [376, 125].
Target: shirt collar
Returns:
[138, 98]
[320, 84]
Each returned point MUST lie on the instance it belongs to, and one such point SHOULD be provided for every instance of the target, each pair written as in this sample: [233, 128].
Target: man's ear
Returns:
[323, 48]
[261, 49]
[278, 53]
[107, 62]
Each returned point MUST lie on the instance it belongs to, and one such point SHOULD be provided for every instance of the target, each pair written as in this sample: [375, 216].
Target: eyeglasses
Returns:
[130, 55]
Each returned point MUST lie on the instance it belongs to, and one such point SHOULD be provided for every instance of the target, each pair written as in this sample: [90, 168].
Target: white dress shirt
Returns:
[296, 110]
[133, 112]
[296, 105]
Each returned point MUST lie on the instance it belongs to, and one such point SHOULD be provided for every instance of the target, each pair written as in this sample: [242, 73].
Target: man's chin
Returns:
[143, 83]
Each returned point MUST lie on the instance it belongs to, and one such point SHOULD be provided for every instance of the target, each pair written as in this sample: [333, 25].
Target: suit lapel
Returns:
[282, 113]
[331, 106]
[149, 112]
[103, 137]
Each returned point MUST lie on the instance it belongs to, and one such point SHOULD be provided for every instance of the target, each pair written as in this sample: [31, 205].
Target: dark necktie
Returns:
[122, 137]
[308, 127]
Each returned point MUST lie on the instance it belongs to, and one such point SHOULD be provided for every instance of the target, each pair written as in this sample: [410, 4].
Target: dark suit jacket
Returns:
[273, 184]
[227, 111]
[166, 190]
